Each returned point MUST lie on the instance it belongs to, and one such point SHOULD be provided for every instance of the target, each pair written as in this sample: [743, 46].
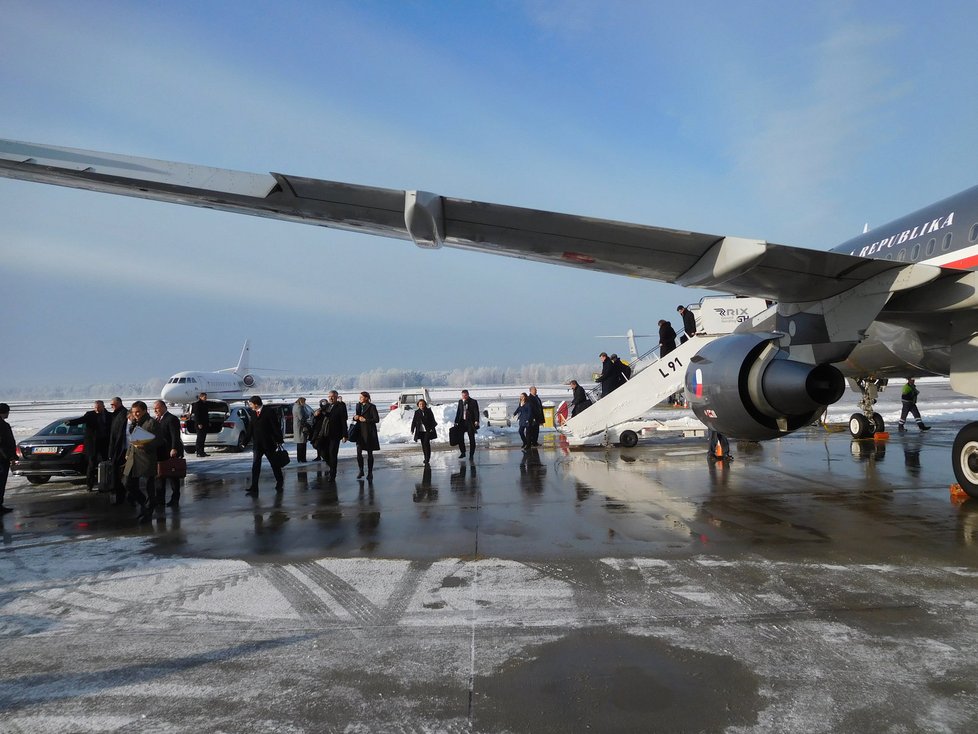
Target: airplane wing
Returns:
[723, 263]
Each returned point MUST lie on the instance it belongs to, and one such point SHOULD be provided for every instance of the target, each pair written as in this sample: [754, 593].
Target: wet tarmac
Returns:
[813, 584]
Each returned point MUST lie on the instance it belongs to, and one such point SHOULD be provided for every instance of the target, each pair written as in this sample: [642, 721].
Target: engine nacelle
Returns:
[744, 386]
[248, 380]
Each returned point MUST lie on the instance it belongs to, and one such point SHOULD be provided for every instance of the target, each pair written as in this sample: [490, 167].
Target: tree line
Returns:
[375, 379]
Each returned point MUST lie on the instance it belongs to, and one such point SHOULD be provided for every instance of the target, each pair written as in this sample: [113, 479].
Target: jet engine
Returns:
[745, 386]
[248, 380]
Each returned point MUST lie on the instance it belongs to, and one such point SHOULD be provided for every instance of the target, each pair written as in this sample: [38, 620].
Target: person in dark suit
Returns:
[141, 462]
[96, 422]
[8, 452]
[689, 323]
[533, 431]
[332, 431]
[117, 448]
[367, 419]
[266, 436]
[667, 338]
[580, 401]
[423, 425]
[200, 415]
[610, 378]
[171, 447]
[467, 418]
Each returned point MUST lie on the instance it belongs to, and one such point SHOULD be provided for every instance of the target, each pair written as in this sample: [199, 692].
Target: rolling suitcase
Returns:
[105, 476]
[455, 435]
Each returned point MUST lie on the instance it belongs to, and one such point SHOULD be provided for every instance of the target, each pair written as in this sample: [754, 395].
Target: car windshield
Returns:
[61, 428]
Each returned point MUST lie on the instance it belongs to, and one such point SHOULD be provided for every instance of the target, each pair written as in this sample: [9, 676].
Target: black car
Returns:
[57, 450]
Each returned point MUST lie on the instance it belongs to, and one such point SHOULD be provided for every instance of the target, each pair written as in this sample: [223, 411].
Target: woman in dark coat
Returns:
[366, 419]
[423, 424]
[524, 414]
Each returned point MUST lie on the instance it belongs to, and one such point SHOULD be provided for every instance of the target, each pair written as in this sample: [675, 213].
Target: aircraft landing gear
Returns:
[868, 422]
[964, 458]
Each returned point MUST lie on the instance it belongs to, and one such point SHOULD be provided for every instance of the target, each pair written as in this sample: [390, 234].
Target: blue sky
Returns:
[787, 122]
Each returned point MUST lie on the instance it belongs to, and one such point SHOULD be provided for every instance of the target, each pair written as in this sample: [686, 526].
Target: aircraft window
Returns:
[974, 232]
[946, 242]
[931, 246]
[183, 379]
[902, 255]
[915, 252]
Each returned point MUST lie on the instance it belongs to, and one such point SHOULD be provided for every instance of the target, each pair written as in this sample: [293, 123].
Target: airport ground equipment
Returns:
[616, 417]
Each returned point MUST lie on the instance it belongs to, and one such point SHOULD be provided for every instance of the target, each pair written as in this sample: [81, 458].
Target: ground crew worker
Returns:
[909, 399]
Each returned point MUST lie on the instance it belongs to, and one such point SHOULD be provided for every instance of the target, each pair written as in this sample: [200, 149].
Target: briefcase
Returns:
[455, 435]
[172, 468]
[105, 475]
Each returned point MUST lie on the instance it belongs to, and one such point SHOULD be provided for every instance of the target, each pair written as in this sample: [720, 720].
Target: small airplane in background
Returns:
[227, 384]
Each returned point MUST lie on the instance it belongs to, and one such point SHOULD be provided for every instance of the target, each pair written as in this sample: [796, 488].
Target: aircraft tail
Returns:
[241, 369]
[242, 366]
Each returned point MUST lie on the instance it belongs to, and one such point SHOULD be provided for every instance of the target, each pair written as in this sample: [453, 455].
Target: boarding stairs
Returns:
[615, 417]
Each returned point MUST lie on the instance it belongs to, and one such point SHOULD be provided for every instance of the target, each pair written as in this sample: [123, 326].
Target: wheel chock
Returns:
[881, 436]
[958, 495]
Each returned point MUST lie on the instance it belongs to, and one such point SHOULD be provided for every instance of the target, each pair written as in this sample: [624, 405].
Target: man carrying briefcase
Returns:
[169, 456]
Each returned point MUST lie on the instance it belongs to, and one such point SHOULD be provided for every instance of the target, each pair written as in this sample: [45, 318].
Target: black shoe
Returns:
[175, 504]
[370, 476]
[461, 455]
[4, 509]
[253, 491]
[901, 428]
[202, 455]
[360, 475]
[278, 488]
[922, 427]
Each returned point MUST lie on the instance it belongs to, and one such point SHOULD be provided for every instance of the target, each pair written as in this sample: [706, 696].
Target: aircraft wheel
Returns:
[964, 457]
[878, 424]
[859, 426]
[628, 439]
[38, 478]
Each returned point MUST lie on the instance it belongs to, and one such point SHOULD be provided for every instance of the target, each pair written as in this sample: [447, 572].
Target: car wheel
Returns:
[38, 478]
[628, 439]
[240, 445]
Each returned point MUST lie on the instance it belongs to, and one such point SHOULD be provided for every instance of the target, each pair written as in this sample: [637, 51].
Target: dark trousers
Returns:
[470, 432]
[370, 460]
[523, 438]
[201, 437]
[300, 451]
[161, 483]
[4, 472]
[911, 409]
[425, 447]
[533, 433]
[331, 447]
[256, 467]
[95, 455]
[146, 499]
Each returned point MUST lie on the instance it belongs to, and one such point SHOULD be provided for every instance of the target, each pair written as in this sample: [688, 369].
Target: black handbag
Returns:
[354, 433]
[454, 435]
[280, 457]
